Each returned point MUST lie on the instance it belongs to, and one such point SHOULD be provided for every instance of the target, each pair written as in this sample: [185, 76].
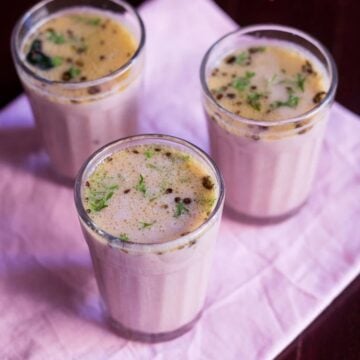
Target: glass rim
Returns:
[333, 74]
[157, 246]
[81, 84]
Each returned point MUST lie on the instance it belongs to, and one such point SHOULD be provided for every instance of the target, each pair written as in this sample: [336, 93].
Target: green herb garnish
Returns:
[180, 209]
[140, 186]
[88, 21]
[74, 72]
[292, 101]
[55, 37]
[57, 61]
[70, 74]
[272, 80]
[242, 58]
[241, 83]
[257, 49]
[152, 166]
[300, 81]
[207, 202]
[149, 153]
[98, 199]
[124, 237]
[146, 225]
[37, 58]
[253, 99]
[93, 21]
[184, 157]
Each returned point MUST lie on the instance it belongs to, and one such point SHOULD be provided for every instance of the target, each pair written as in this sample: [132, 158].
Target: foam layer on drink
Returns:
[79, 44]
[268, 168]
[268, 81]
[149, 194]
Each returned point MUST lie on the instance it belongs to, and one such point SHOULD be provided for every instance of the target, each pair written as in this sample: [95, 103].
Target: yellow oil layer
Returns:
[82, 45]
[267, 82]
[149, 194]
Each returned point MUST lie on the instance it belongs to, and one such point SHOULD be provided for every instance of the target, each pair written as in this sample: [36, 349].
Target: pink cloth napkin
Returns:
[267, 282]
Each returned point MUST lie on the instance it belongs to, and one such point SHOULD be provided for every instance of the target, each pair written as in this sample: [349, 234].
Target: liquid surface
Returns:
[269, 82]
[78, 45]
[149, 193]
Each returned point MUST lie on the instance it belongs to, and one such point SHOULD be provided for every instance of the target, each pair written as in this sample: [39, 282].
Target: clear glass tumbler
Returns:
[268, 166]
[77, 118]
[151, 292]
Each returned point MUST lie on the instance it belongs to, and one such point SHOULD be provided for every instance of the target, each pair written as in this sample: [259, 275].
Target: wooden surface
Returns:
[334, 335]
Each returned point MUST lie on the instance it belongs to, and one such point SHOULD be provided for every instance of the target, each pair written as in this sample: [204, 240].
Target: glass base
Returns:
[135, 335]
[258, 220]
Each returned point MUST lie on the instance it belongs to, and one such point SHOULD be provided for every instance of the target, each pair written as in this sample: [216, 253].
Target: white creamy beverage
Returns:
[265, 146]
[161, 205]
[84, 82]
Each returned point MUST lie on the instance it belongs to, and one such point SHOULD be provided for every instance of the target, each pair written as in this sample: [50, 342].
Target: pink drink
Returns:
[266, 180]
[81, 67]
[267, 102]
[71, 132]
[152, 240]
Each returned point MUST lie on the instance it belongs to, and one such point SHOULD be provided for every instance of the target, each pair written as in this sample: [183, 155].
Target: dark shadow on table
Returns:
[64, 287]
[334, 334]
[22, 148]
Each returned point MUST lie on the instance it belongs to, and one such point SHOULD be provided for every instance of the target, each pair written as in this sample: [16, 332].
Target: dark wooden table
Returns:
[334, 335]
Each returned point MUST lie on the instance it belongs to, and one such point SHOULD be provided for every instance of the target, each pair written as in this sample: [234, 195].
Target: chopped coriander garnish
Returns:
[140, 186]
[70, 74]
[98, 199]
[149, 153]
[93, 21]
[257, 49]
[300, 81]
[208, 202]
[145, 225]
[272, 80]
[242, 58]
[180, 209]
[55, 37]
[88, 21]
[241, 83]
[57, 61]
[292, 101]
[185, 157]
[74, 72]
[37, 58]
[124, 237]
[253, 99]
[152, 166]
